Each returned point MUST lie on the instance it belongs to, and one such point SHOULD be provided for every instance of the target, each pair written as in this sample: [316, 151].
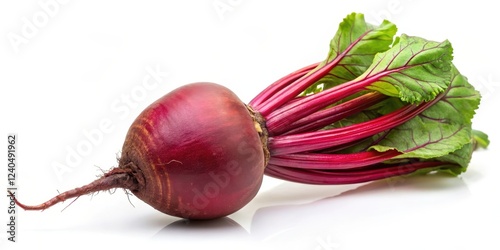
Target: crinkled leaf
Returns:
[443, 128]
[354, 46]
[460, 158]
[454, 163]
[414, 69]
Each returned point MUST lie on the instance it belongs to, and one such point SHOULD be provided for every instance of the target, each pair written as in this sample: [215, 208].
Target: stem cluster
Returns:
[302, 150]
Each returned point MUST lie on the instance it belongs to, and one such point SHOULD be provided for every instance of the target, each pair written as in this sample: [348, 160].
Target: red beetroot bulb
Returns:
[195, 153]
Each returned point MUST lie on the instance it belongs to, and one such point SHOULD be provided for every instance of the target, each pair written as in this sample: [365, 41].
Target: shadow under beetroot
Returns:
[202, 231]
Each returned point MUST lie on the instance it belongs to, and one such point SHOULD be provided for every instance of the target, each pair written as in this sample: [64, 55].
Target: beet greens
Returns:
[377, 107]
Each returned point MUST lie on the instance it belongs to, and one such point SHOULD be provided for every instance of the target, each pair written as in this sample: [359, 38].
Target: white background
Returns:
[67, 68]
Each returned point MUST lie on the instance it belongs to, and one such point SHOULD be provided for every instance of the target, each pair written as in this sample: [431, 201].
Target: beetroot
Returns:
[376, 108]
[195, 153]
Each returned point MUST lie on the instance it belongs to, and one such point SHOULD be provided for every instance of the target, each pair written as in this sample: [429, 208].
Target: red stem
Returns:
[289, 92]
[330, 115]
[286, 94]
[288, 144]
[325, 177]
[332, 161]
[269, 92]
[312, 103]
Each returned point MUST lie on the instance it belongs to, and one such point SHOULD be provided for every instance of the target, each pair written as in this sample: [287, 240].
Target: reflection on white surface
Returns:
[363, 211]
[341, 217]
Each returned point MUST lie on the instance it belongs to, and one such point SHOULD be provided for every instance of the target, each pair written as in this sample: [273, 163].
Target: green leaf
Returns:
[414, 69]
[460, 159]
[443, 128]
[480, 139]
[454, 163]
[354, 46]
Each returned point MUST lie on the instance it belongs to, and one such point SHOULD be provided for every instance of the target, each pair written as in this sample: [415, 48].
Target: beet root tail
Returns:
[115, 178]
